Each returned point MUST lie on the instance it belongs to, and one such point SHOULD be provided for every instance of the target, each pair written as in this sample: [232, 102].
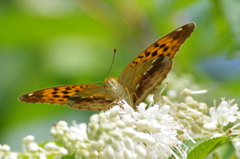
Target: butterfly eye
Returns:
[112, 84]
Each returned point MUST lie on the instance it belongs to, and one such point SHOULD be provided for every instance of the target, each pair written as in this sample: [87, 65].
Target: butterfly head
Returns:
[111, 83]
[115, 88]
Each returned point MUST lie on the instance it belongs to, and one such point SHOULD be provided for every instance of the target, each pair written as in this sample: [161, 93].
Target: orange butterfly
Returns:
[136, 82]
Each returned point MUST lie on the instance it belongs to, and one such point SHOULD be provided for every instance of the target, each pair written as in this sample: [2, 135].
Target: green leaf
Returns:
[204, 147]
[69, 156]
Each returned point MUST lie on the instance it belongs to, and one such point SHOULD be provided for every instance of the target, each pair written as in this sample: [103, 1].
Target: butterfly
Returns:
[136, 82]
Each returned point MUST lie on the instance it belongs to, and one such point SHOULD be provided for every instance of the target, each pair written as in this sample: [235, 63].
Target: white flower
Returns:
[236, 144]
[5, 148]
[28, 139]
[224, 113]
[210, 127]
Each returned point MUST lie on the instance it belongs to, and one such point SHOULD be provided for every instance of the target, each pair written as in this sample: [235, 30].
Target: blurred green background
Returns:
[47, 43]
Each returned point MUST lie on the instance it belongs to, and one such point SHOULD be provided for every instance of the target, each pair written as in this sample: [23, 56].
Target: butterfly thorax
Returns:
[115, 89]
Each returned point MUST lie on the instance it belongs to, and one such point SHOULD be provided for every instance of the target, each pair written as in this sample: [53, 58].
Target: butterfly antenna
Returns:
[114, 52]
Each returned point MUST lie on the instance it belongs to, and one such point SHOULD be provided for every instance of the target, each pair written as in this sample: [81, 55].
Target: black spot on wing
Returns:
[68, 88]
[56, 89]
[156, 45]
[147, 54]
[163, 45]
[165, 49]
[65, 96]
[65, 92]
[141, 57]
[154, 53]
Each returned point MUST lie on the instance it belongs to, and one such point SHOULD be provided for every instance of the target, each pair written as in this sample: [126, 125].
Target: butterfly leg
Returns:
[158, 94]
[115, 102]
[130, 98]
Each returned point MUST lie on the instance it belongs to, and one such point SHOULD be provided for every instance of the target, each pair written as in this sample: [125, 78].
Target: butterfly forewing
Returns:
[151, 67]
[168, 45]
[54, 95]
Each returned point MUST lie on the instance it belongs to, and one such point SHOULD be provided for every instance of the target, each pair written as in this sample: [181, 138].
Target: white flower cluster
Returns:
[73, 138]
[32, 150]
[124, 133]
